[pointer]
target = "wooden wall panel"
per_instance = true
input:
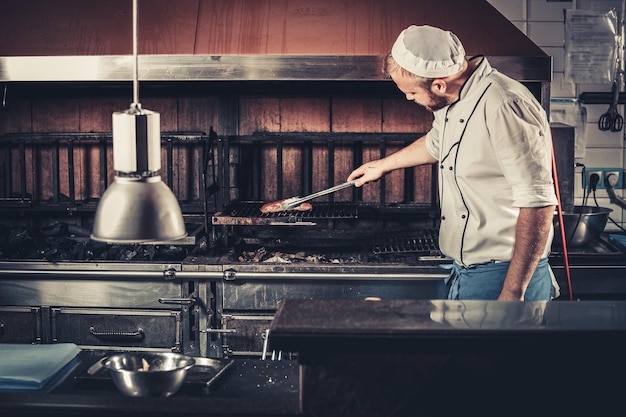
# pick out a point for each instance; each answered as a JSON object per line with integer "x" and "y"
{"x": 195, "y": 114}
{"x": 345, "y": 26}
{"x": 304, "y": 114}
{"x": 55, "y": 115}
{"x": 356, "y": 115}
{"x": 17, "y": 182}
{"x": 400, "y": 115}
{"x": 263, "y": 115}
{"x": 167, "y": 107}
{"x": 198, "y": 114}
{"x": 16, "y": 118}
{"x": 340, "y": 115}
{"x": 52, "y": 116}
{"x": 259, "y": 115}
{"x": 96, "y": 116}
{"x": 300, "y": 115}
{"x": 78, "y": 27}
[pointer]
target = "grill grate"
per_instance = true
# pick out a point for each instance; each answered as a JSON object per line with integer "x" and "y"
{"x": 418, "y": 241}
{"x": 249, "y": 213}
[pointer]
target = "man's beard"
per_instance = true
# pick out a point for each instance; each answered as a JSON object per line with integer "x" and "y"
{"x": 437, "y": 102}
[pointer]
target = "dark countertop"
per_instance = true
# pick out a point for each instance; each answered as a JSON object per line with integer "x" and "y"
{"x": 426, "y": 358}
{"x": 249, "y": 387}
{"x": 318, "y": 326}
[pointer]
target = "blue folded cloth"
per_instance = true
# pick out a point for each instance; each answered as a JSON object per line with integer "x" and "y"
{"x": 619, "y": 239}
{"x": 30, "y": 367}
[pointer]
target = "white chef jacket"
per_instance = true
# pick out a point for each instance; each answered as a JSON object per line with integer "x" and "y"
{"x": 494, "y": 148}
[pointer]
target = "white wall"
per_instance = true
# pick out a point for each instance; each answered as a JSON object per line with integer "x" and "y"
{"x": 543, "y": 21}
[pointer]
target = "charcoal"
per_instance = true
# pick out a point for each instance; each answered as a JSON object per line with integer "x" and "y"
{"x": 59, "y": 242}
{"x": 54, "y": 228}
{"x": 98, "y": 251}
{"x": 170, "y": 253}
{"x": 201, "y": 247}
{"x": 145, "y": 253}
{"x": 18, "y": 235}
{"x": 78, "y": 231}
{"x": 127, "y": 254}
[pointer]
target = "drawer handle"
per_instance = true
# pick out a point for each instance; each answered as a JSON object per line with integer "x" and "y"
{"x": 1, "y": 330}
{"x": 114, "y": 334}
{"x": 182, "y": 301}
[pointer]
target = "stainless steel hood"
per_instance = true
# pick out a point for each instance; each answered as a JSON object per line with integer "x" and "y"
{"x": 230, "y": 68}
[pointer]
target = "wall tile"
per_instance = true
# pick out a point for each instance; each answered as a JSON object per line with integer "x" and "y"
{"x": 594, "y": 111}
{"x": 558, "y": 57}
{"x": 511, "y": 9}
{"x": 599, "y": 139}
{"x": 547, "y": 33}
{"x": 561, "y": 88}
{"x": 600, "y": 158}
{"x": 542, "y": 10}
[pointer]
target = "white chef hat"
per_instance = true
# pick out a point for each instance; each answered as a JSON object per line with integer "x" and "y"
{"x": 428, "y": 51}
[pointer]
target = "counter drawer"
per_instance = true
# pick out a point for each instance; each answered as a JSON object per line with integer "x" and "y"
{"x": 245, "y": 334}
{"x": 20, "y": 325}
{"x": 117, "y": 329}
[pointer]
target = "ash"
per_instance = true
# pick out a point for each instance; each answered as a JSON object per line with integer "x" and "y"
{"x": 61, "y": 241}
{"x": 261, "y": 255}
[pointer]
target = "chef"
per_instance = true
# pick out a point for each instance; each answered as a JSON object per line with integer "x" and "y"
{"x": 491, "y": 141}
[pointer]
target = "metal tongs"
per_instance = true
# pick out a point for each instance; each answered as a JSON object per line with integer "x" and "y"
{"x": 293, "y": 202}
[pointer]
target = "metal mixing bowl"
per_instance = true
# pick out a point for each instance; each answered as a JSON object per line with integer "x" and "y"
{"x": 583, "y": 225}
{"x": 148, "y": 374}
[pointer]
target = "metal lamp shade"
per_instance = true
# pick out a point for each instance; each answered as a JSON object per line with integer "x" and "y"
{"x": 136, "y": 211}
{"x": 137, "y": 207}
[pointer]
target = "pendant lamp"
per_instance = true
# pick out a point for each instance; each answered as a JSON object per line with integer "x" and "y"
{"x": 137, "y": 207}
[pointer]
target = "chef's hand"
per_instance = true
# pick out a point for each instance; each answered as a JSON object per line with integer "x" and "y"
{"x": 368, "y": 172}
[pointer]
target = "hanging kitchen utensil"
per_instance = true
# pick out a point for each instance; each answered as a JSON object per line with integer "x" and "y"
{"x": 612, "y": 120}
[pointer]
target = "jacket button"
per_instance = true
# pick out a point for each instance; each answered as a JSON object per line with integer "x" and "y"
{"x": 462, "y": 120}
{"x": 443, "y": 217}
{"x": 451, "y": 168}
{"x": 462, "y": 216}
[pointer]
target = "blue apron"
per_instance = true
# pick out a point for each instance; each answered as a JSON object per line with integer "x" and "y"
{"x": 485, "y": 281}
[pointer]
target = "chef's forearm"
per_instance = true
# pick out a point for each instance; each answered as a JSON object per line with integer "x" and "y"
{"x": 411, "y": 155}
{"x": 531, "y": 234}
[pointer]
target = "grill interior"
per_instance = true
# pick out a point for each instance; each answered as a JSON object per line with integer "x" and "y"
{"x": 341, "y": 227}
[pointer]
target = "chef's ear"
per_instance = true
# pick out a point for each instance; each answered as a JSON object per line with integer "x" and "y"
{"x": 438, "y": 86}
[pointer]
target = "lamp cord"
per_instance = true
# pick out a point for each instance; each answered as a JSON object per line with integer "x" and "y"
{"x": 135, "y": 58}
